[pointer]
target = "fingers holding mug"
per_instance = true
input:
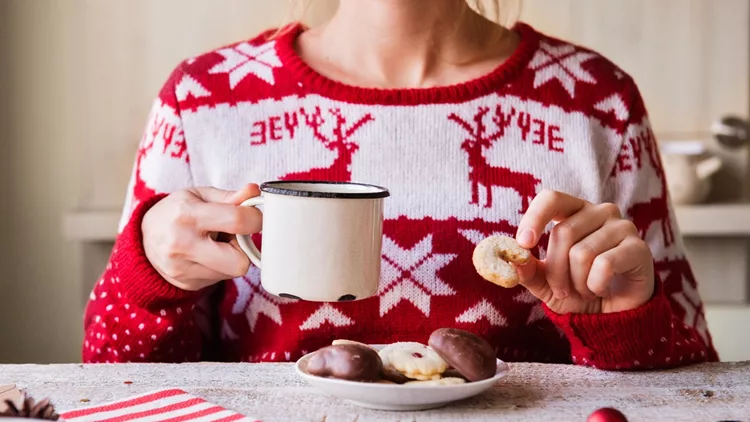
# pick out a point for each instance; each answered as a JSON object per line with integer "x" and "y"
{"x": 214, "y": 195}
{"x": 222, "y": 258}
{"x": 225, "y": 218}
{"x": 244, "y": 241}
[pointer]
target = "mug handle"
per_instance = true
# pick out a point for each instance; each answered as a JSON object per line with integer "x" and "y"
{"x": 246, "y": 242}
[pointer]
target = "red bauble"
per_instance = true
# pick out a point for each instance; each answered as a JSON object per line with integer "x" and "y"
{"x": 607, "y": 414}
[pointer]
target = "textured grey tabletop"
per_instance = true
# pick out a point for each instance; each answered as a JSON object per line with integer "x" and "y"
{"x": 532, "y": 392}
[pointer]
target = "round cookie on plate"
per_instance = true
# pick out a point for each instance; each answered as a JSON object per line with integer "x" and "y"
{"x": 467, "y": 353}
{"x": 390, "y": 374}
{"x": 413, "y": 360}
{"x": 438, "y": 382}
{"x": 338, "y": 342}
{"x": 353, "y": 362}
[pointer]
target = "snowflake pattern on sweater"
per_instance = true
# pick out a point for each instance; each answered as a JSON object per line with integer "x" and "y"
{"x": 462, "y": 162}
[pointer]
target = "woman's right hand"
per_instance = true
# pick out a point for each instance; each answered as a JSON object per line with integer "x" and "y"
{"x": 182, "y": 235}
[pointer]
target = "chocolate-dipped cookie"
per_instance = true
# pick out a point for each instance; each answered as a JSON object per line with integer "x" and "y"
{"x": 338, "y": 342}
{"x": 351, "y": 362}
{"x": 452, "y": 373}
{"x": 391, "y": 374}
{"x": 466, "y": 352}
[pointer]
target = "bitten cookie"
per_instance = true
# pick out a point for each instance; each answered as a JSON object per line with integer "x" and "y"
{"x": 346, "y": 361}
{"x": 466, "y": 352}
{"x": 437, "y": 382}
{"x": 414, "y": 360}
{"x": 492, "y": 256}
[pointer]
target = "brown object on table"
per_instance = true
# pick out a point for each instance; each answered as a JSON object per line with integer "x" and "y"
{"x": 466, "y": 352}
{"x": 8, "y": 392}
{"x": 452, "y": 373}
{"x": 390, "y": 374}
{"x": 351, "y": 362}
{"x": 29, "y": 408}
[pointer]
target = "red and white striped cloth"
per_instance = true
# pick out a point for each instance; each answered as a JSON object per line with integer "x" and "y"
{"x": 172, "y": 405}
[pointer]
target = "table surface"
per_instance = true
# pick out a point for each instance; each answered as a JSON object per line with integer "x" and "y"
{"x": 531, "y": 392}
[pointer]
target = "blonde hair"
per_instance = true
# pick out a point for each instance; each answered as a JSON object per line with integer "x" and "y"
{"x": 502, "y": 12}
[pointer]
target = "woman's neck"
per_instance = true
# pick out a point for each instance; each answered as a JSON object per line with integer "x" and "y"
{"x": 405, "y": 43}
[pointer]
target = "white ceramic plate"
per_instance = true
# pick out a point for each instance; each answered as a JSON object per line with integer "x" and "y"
{"x": 398, "y": 397}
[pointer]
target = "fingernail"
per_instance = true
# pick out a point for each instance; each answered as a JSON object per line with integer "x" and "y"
{"x": 560, "y": 294}
{"x": 526, "y": 237}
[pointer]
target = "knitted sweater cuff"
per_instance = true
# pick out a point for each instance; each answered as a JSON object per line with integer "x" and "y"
{"x": 620, "y": 339}
{"x": 139, "y": 280}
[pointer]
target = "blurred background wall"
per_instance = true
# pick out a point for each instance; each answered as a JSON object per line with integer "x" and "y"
{"x": 77, "y": 78}
{"x": 42, "y": 122}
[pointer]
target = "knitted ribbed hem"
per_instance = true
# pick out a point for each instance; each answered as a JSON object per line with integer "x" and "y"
{"x": 141, "y": 283}
{"x": 618, "y": 340}
{"x": 475, "y": 88}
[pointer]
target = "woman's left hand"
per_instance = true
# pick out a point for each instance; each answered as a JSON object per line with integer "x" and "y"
{"x": 596, "y": 262}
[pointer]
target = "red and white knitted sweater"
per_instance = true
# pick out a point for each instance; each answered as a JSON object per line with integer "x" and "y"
{"x": 462, "y": 162}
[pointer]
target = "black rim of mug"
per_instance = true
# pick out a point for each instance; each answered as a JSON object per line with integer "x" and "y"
{"x": 278, "y": 188}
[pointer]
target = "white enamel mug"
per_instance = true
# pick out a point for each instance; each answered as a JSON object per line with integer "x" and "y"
{"x": 322, "y": 241}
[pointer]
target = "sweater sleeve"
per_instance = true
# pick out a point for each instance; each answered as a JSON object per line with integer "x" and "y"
{"x": 669, "y": 330}
{"x": 133, "y": 314}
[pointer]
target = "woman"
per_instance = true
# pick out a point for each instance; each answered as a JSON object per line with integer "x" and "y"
{"x": 475, "y": 129}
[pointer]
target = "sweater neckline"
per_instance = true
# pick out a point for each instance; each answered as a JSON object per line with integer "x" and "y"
{"x": 491, "y": 82}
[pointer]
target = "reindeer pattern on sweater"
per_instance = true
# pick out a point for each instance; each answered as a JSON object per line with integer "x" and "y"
{"x": 461, "y": 162}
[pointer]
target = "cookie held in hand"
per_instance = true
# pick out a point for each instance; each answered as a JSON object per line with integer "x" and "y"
{"x": 467, "y": 353}
{"x": 350, "y": 362}
{"x": 493, "y": 256}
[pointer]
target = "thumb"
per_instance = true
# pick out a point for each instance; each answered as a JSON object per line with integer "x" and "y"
{"x": 533, "y": 278}
{"x": 209, "y": 194}
{"x": 250, "y": 190}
